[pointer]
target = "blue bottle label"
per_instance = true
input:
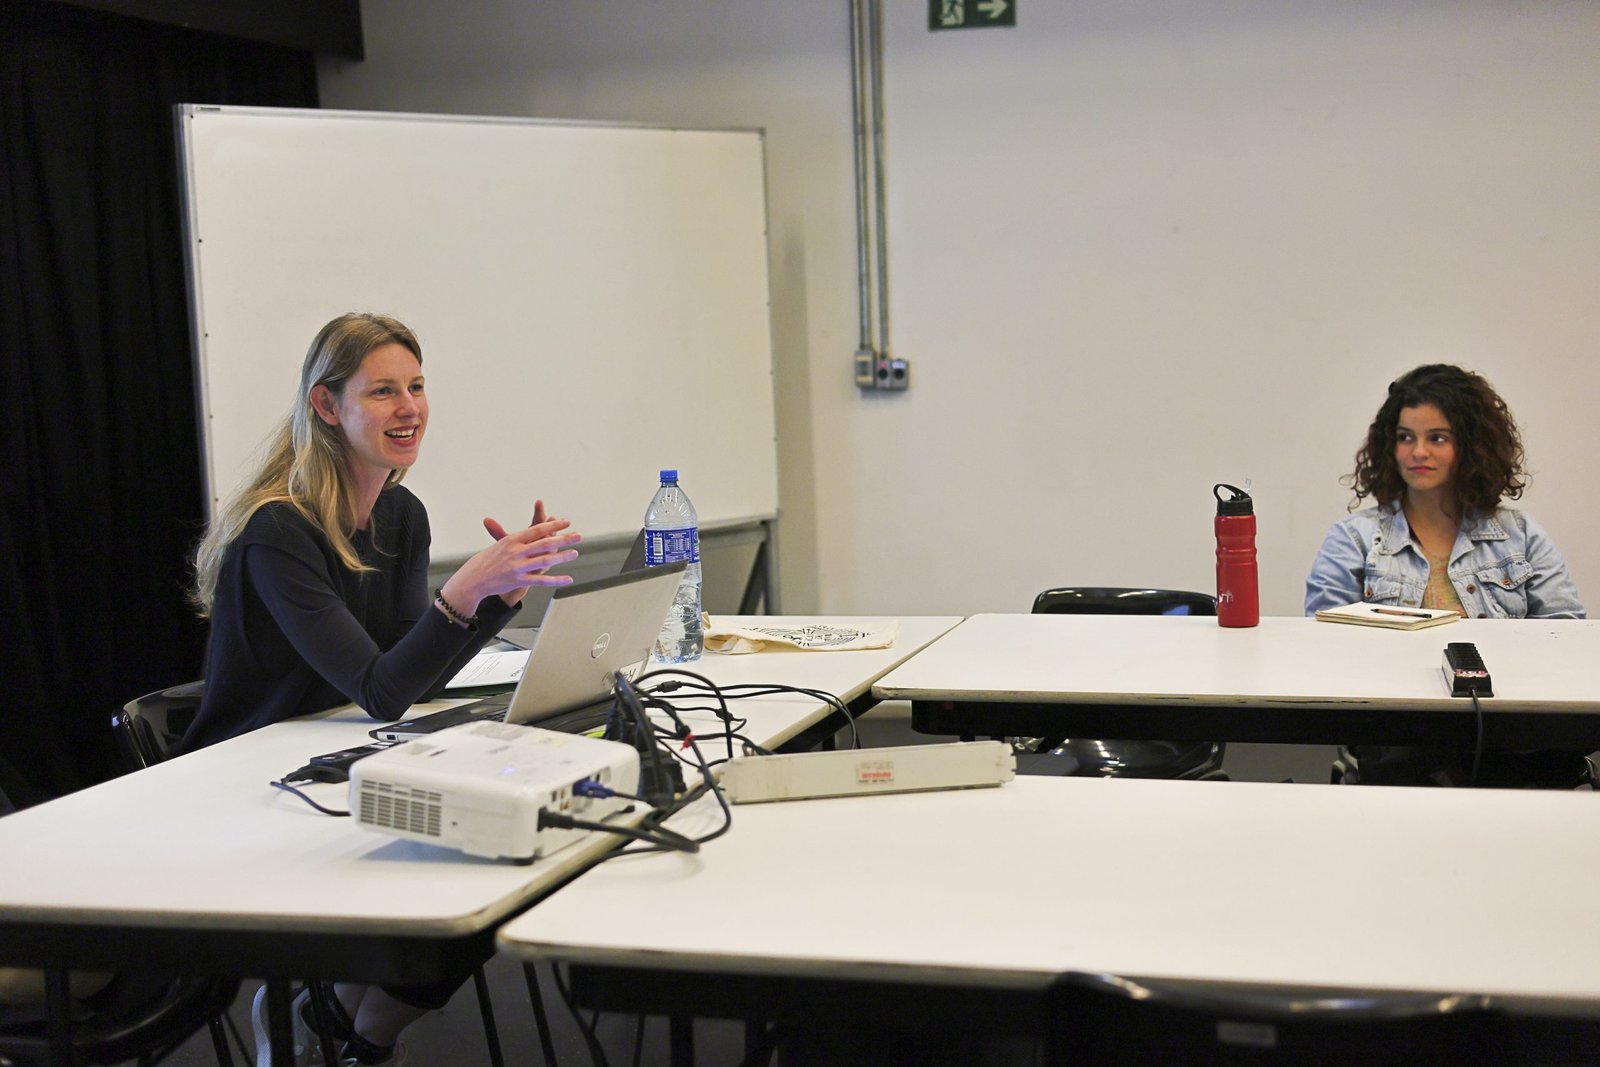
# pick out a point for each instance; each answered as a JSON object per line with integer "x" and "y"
{"x": 669, "y": 546}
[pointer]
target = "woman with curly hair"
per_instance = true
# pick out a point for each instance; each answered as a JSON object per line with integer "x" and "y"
{"x": 1440, "y": 456}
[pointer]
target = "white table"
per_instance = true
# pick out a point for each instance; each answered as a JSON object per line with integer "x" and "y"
{"x": 974, "y": 901}
{"x": 197, "y": 865}
{"x": 1287, "y": 680}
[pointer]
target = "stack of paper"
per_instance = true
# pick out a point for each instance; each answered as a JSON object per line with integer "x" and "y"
{"x": 498, "y": 665}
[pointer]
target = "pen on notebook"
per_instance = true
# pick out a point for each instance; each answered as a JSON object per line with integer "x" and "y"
{"x": 1407, "y": 614}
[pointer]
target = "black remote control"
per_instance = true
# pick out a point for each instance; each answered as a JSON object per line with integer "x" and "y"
{"x": 335, "y": 766}
{"x": 344, "y": 757}
{"x": 1464, "y": 671}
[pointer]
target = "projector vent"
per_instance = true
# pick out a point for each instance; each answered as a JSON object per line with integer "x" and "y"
{"x": 402, "y": 809}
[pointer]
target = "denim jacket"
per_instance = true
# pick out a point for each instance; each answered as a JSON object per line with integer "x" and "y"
{"x": 1503, "y": 566}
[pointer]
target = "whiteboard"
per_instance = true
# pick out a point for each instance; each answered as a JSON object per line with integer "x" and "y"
{"x": 591, "y": 300}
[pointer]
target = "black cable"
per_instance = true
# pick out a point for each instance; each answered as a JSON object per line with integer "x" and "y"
{"x": 629, "y": 695}
{"x": 721, "y": 710}
{"x": 655, "y": 835}
{"x": 729, "y": 730}
{"x": 287, "y": 788}
{"x": 675, "y": 751}
{"x": 682, "y": 732}
{"x": 660, "y": 779}
{"x": 630, "y": 718}
{"x": 733, "y": 692}
{"x": 749, "y": 748}
{"x": 738, "y": 721}
{"x": 759, "y": 689}
{"x": 708, "y": 784}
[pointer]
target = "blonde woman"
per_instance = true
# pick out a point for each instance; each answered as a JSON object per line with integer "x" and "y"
{"x": 314, "y": 576}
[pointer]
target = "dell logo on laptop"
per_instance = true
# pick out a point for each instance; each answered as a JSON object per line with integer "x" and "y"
{"x": 600, "y": 645}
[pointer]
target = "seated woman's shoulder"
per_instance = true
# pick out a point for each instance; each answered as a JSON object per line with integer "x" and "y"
{"x": 278, "y": 523}
{"x": 402, "y": 495}
{"x": 1511, "y": 520}
{"x": 275, "y": 515}
{"x": 1365, "y": 521}
{"x": 401, "y": 501}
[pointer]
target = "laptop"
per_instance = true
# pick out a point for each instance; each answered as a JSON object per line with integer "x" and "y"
{"x": 590, "y": 631}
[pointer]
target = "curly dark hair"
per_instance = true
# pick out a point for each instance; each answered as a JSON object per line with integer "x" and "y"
{"x": 1488, "y": 447}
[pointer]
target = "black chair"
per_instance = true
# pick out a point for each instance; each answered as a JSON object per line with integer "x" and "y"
{"x": 146, "y": 728}
{"x": 135, "y": 1016}
{"x": 1106, "y": 1019}
{"x": 1409, "y": 765}
{"x": 1082, "y": 757}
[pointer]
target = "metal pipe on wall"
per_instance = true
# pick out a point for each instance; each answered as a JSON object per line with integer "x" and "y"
{"x": 875, "y": 53}
{"x": 874, "y": 367}
{"x": 866, "y": 349}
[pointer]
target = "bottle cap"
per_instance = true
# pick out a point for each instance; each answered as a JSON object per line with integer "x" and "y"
{"x": 668, "y": 476}
{"x": 1238, "y": 504}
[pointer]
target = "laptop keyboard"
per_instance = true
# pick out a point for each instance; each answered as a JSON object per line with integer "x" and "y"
{"x": 495, "y": 709}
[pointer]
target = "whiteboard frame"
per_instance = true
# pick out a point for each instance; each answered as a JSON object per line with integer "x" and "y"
{"x": 763, "y": 509}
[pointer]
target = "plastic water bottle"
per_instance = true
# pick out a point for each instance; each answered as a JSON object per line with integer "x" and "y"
{"x": 1238, "y": 600}
{"x": 671, "y": 533}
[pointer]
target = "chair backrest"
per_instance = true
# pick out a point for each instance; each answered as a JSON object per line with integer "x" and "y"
{"x": 1117, "y": 600}
{"x": 146, "y": 727}
{"x": 1106, "y": 1019}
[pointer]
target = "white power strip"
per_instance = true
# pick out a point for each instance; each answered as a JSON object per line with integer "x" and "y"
{"x": 855, "y": 772}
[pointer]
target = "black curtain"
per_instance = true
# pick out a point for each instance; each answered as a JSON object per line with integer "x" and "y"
{"x": 101, "y": 474}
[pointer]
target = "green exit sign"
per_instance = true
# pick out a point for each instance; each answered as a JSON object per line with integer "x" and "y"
{"x": 970, "y": 14}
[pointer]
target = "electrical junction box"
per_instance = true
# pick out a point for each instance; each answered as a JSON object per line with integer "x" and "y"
{"x": 855, "y": 772}
{"x": 894, "y": 373}
{"x": 482, "y": 786}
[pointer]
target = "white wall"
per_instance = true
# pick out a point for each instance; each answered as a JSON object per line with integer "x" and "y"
{"x": 1137, "y": 247}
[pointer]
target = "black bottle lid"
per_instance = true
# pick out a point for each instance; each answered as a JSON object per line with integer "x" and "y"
{"x": 1237, "y": 504}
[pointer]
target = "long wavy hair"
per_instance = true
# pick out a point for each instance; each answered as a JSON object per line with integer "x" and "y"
{"x": 1489, "y": 459}
{"x": 306, "y": 462}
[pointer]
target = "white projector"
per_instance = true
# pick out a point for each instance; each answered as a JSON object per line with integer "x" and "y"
{"x": 481, "y": 787}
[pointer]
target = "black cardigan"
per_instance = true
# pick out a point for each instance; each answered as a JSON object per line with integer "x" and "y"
{"x": 294, "y": 631}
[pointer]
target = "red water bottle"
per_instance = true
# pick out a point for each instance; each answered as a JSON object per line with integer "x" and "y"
{"x": 1238, "y": 596}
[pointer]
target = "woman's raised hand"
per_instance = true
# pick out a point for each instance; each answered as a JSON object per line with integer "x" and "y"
{"x": 517, "y": 560}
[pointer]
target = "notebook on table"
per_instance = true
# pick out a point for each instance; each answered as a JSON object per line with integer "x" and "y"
{"x": 1388, "y": 616}
{"x": 590, "y": 630}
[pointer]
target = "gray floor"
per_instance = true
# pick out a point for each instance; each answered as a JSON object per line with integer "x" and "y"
{"x": 454, "y": 1036}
